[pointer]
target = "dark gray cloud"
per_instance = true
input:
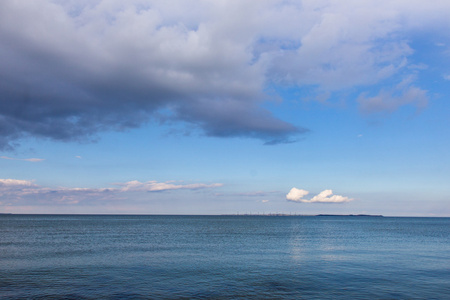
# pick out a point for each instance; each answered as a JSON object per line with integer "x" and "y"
{"x": 70, "y": 69}
{"x": 258, "y": 123}
{"x": 68, "y": 72}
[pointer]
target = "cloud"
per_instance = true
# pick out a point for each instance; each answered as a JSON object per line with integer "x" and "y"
{"x": 72, "y": 69}
{"x": 20, "y": 191}
{"x": 154, "y": 186}
{"x": 258, "y": 194}
{"x": 296, "y": 194}
{"x": 23, "y": 159}
{"x": 13, "y": 190}
{"x": 326, "y": 196}
{"x": 389, "y": 100}
{"x": 11, "y": 183}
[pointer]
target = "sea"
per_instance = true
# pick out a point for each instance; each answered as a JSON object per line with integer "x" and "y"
{"x": 223, "y": 257}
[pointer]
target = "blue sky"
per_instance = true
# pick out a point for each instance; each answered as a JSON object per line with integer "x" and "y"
{"x": 215, "y": 107}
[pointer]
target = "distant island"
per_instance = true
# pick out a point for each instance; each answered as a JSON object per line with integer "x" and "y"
{"x": 302, "y": 215}
{"x": 359, "y": 215}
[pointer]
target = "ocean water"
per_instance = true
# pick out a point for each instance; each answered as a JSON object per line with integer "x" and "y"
{"x": 223, "y": 257}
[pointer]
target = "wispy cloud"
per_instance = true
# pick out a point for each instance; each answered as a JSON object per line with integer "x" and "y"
{"x": 14, "y": 190}
{"x": 252, "y": 194}
{"x": 389, "y": 100}
{"x": 326, "y": 196}
{"x": 23, "y": 159}
{"x": 258, "y": 193}
{"x": 23, "y": 190}
{"x": 154, "y": 186}
{"x": 7, "y": 183}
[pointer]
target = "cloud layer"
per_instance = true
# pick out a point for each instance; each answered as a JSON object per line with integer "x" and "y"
{"x": 13, "y": 191}
{"x": 23, "y": 159}
{"x": 326, "y": 196}
{"x": 69, "y": 69}
{"x": 154, "y": 186}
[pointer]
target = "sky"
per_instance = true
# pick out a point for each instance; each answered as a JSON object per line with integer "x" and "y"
{"x": 225, "y": 107}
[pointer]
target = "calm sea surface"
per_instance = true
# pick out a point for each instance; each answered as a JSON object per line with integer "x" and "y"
{"x": 223, "y": 257}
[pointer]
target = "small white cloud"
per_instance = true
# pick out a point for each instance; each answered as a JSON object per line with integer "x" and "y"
{"x": 296, "y": 194}
{"x": 326, "y": 196}
{"x": 447, "y": 77}
{"x": 360, "y": 135}
{"x": 79, "y": 157}
{"x": 265, "y": 201}
{"x": 15, "y": 182}
{"x": 23, "y": 159}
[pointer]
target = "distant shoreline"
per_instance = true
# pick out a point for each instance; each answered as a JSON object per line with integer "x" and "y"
{"x": 236, "y": 214}
{"x": 301, "y": 215}
{"x": 351, "y": 215}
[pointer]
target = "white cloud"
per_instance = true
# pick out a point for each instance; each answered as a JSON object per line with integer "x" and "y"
{"x": 23, "y": 159}
{"x": 447, "y": 77}
{"x": 296, "y": 194}
{"x": 326, "y": 196}
{"x": 7, "y": 183}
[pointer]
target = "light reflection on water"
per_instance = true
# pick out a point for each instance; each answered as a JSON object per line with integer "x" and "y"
{"x": 224, "y": 257}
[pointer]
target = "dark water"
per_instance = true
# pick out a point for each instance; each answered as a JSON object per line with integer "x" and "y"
{"x": 223, "y": 257}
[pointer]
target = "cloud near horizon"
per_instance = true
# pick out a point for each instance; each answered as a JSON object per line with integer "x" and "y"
{"x": 72, "y": 69}
{"x": 23, "y": 159}
{"x": 15, "y": 191}
{"x": 326, "y": 196}
{"x": 154, "y": 186}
